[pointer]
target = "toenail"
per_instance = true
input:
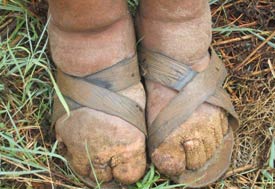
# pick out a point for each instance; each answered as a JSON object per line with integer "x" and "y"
{"x": 191, "y": 144}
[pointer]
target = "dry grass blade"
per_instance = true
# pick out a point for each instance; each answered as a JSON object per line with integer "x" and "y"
{"x": 255, "y": 51}
{"x": 271, "y": 68}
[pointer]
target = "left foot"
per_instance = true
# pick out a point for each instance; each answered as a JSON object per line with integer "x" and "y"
{"x": 181, "y": 30}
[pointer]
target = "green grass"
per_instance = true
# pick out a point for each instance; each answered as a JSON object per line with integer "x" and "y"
{"x": 28, "y": 153}
{"x": 26, "y": 98}
{"x": 151, "y": 181}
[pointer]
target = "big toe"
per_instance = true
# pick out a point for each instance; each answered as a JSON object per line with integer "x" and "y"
{"x": 169, "y": 159}
{"x": 130, "y": 171}
{"x": 195, "y": 154}
{"x": 101, "y": 172}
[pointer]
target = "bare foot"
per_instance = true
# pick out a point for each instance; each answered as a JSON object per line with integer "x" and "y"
{"x": 182, "y": 31}
{"x": 86, "y": 37}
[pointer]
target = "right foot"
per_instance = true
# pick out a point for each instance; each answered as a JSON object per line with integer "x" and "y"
{"x": 85, "y": 39}
{"x": 116, "y": 148}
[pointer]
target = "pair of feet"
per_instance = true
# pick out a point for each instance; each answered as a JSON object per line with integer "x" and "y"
{"x": 117, "y": 148}
{"x": 197, "y": 149}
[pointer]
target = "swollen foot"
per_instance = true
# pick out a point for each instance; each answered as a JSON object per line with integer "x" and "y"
{"x": 178, "y": 33}
{"x": 115, "y": 147}
{"x": 101, "y": 144}
{"x": 193, "y": 143}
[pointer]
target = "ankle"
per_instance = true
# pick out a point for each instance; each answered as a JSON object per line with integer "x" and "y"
{"x": 186, "y": 42}
{"x": 201, "y": 64}
{"x": 173, "y": 11}
{"x": 86, "y": 15}
{"x": 84, "y": 53}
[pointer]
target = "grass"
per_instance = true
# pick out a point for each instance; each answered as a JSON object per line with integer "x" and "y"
{"x": 28, "y": 149}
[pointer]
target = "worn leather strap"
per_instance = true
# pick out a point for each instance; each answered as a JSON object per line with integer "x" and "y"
{"x": 162, "y": 69}
{"x": 194, "y": 89}
{"x": 99, "y": 92}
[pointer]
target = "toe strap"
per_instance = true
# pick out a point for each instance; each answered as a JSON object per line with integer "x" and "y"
{"x": 194, "y": 89}
{"x": 99, "y": 91}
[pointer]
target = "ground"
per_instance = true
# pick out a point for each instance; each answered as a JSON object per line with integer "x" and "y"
{"x": 243, "y": 36}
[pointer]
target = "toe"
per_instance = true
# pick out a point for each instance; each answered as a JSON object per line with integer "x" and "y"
{"x": 209, "y": 143}
{"x": 129, "y": 171}
{"x": 218, "y": 134}
{"x": 224, "y": 123}
{"x": 195, "y": 154}
{"x": 101, "y": 173}
{"x": 79, "y": 163}
{"x": 169, "y": 160}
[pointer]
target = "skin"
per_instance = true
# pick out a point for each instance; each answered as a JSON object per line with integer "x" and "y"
{"x": 181, "y": 29}
{"x": 86, "y": 37}
{"x": 82, "y": 45}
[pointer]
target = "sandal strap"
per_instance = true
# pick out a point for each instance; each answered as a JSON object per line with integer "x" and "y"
{"x": 194, "y": 89}
{"x": 99, "y": 91}
{"x": 165, "y": 70}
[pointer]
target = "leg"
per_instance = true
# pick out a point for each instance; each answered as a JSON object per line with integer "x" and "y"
{"x": 86, "y": 37}
{"x": 181, "y": 29}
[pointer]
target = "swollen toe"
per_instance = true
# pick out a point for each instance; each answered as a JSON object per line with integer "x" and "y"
{"x": 224, "y": 123}
{"x": 169, "y": 160}
{"x": 130, "y": 171}
{"x": 79, "y": 164}
{"x": 195, "y": 154}
{"x": 101, "y": 173}
{"x": 209, "y": 146}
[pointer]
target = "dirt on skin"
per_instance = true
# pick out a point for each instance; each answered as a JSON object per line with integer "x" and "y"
{"x": 185, "y": 36}
{"x": 116, "y": 148}
{"x": 251, "y": 88}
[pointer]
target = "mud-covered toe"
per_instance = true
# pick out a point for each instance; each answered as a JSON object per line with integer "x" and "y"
{"x": 213, "y": 168}
{"x": 89, "y": 182}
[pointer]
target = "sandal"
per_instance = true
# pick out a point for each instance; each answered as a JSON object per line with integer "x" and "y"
{"x": 205, "y": 86}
